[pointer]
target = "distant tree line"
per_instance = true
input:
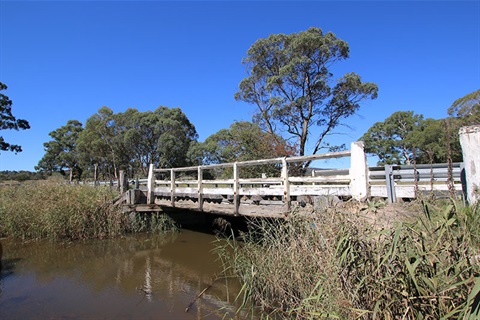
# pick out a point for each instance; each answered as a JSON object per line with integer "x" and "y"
{"x": 405, "y": 137}
{"x": 132, "y": 140}
{"x": 22, "y": 175}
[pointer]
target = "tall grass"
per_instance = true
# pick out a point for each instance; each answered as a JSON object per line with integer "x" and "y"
{"x": 335, "y": 265}
{"x": 55, "y": 210}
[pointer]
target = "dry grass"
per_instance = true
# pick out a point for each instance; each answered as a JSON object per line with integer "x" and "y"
{"x": 49, "y": 209}
{"x": 340, "y": 265}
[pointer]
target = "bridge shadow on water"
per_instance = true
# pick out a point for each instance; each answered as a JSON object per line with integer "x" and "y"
{"x": 206, "y": 222}
{"x": 215, "y": 224}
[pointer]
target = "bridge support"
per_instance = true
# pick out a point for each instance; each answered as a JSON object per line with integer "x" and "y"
{"x": 150, "y": 185}
{"x": 172, "y": 187}
{"x": 358, "y": 172}
{"x": 236, "y": 189}
{"x": 470, "y": 142}
{"x": 286, "y": 185}
{"x": 200, "y": 189}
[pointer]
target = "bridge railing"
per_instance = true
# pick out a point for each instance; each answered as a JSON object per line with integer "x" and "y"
{"x": 407, "y": 181}
{"x": 352, "y": 182}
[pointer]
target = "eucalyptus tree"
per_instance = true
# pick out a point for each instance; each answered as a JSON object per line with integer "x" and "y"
{"x": 60, "y": 152}
{"x": 436, "y": 141}
{"x": 8, "y": 121}
{"x": 97, "y": 144}
{"x": 292, "y": 85}
{"x": 467, "y": 108}
{"x": 161, "y": 137}
{"x": 390, "y": 139}
{"x": 244, "y": 141}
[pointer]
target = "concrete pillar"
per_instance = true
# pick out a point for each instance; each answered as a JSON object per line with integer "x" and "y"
{"x": 358, "y": 172}
{"x": 150, "y": 185}
{"x": 470, "y": 142}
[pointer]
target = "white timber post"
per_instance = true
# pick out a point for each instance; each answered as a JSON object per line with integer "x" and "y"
{"x": 172, "y": 187}
{"x": 236, "y": 189}
{"x": 200, "y": 189}
{"x": 470, "y": 142}
{"x": 286, "y": 184}
{"x": 123, "y": 182}
{"x": 150, "y": 185}
{"x": 358, "y": 172}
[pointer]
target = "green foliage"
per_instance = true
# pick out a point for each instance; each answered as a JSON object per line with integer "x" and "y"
{"x": 8, "y": 121}
{"x": 434, "y": 139}
{"x": 243, "y": 141}
{"x": 127, "y": 141}
{"x": 100, "y": 145}
{"x": 60, "y": 152}
{"x": 336, "y": 265}
{"x": 133, "y": 139}
{"x": 415, "y": 271}
{"x": 158, "y": 223}
{"x": 467, "y": 108}
{"x": 388, "y": 139}
{"x": 21, "y": 175}
{"x": 290, "y": 83}
{"x": 403, "y": 134}
{"x": 53, "y": 210}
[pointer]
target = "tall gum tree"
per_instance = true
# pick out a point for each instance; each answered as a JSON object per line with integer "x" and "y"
{"x": 290, "y": 82}
{"x": 97, "y": 143}
{"x": 467, "y": 108}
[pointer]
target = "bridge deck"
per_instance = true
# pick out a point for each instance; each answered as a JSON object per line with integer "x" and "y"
{"x": 274, "y": 210}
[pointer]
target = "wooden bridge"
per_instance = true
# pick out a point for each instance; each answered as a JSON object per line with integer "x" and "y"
{"x": 236, "y": 188}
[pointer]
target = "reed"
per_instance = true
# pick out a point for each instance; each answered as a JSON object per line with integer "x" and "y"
{"x": 49, "y": 209}
{"x": 337, "y": 265}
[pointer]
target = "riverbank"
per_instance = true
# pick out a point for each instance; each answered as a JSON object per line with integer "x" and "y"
{"x": 54, "y": 210}
{"x": 344, "y": 264}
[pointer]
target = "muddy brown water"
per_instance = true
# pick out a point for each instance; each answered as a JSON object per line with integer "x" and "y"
{"x": 140, "y": 276}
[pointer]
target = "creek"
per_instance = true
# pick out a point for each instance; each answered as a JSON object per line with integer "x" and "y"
{"x": 139, "y": 276}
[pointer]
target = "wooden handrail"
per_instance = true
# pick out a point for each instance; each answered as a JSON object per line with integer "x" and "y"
{"x": 357, "y": 156}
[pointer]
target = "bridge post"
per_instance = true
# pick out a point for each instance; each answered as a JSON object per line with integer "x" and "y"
{"x": 172, "y": 187}
{"x": 123, "y": 185}
{"x": 150, "y": 185}
{"x": 359, "y": 187}
{"x": 236, "y": 189}
{"x": 286, "y": 184}
{"x": 200, "y": 189}
{"x": 470, "y": 143}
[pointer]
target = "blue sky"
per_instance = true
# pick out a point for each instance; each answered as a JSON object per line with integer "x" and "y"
{"x": 64, "y": 60}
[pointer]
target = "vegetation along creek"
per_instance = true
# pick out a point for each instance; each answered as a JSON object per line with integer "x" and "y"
{"x": 79, "y": 257}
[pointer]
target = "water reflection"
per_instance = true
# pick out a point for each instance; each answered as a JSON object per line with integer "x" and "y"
{"x": 141, "y": 277}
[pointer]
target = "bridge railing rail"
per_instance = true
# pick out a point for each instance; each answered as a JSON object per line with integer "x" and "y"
{"x": 351, "y": 182}
{"x": 408, "y": 181}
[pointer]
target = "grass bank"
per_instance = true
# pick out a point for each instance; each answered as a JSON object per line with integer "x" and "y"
{"x": 337, "y": 265}
{"x": 47, "y": 209}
